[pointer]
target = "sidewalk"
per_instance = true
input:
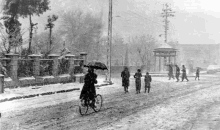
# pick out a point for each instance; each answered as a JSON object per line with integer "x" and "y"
{"x": 33, "y": 91}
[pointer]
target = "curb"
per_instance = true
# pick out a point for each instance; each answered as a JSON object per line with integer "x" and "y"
{"x": 45, "y": 93}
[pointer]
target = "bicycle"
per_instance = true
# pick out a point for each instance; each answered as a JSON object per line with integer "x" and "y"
{"x": 87, "y": 102}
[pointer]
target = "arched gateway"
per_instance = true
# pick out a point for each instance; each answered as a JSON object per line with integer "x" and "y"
{"x": 167, "y": 54}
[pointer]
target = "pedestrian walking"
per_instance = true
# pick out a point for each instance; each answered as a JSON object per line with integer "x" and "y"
{"x": 184, "y": 73}
{"x": 177, "y": 73}
{"x": 170, "y": 74}
{"x": 137, "y": 77}
{"x": 147, "y": 80}
{"x": 125, "y": 74}
{"x": 197, "y": 73}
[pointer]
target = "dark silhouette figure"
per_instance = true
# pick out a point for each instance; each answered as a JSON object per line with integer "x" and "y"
{"x": 170, "y": 74}
{"x": 88, "y": 89}
{"x": 137, "y": 77}
{"x": 184, "y": 73}
{"x": 147, "y": 80}
{"x": 125, "y": 74}
{"x": 177, "y": 73}
{"x": 197, "y": 73}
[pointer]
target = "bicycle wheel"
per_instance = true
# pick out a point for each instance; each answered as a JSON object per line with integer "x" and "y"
{"x": 98, "y": 103}
{"x": 83, "y": 107}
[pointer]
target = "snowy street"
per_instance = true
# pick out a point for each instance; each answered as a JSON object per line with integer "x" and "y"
{"x": 170, "y": 105}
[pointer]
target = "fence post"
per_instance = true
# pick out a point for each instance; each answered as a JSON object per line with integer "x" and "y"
{"x": 14, "y": 67}
{"x": 1, "y": 83}
{"x": 55, "y": 64}
{"x": 36, "y": 67}
{"x": 71, "y": 65}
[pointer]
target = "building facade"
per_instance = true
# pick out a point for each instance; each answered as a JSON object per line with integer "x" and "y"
{"x": 198, "y": 55}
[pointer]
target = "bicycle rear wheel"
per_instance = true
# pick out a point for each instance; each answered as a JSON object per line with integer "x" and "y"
{"x": 98, "y": 103}
{"x": 83, "y": 107}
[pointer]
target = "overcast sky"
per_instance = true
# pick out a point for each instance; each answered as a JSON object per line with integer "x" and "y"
{"x": 195, "y": 21}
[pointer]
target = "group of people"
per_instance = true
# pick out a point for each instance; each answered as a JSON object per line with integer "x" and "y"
{"x": 184, "y": 76}
{"x": 125, "y": 74}
{"x": 91, "y": 79}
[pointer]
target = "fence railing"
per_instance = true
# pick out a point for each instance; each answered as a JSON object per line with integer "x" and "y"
{"x": 6, "y": 64}
{"x": 46, "y": 67}
{"x": 78, "y": 63}
{"x": 25, "y": 67}
{"x": 63, "y": 66}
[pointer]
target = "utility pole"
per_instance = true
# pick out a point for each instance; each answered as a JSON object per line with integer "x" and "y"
{"x": 167, "y": 12}
{"x": 109, "y": 51}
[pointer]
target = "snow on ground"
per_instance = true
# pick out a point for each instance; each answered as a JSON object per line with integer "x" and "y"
{"x": 172, "y": 114}
{"x": 170, "y": 105}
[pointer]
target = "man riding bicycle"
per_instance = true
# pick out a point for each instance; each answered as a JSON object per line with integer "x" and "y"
{"x": 88, "y": 89}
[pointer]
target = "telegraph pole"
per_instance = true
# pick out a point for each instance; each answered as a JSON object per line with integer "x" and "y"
{"x": 167, "y": 12}
{"x": 109, "y": 48}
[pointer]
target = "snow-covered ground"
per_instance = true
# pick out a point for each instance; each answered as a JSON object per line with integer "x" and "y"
{"x": 170, "y": 105}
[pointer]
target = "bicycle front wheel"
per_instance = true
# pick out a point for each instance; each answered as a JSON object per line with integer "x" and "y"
{"x": 98, "y": 103}
{"x": 83, "y": 107}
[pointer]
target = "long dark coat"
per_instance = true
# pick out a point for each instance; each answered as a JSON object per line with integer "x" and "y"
{"x": 177, "y": 71}
{"x": 89, "y": 85}
{"x": 137, "y": 77}
{"x": 170, "y": 71}
{"x": 197, "y": 72}
{"x": 125, "y": 78}
{"x": 147, "y": 80}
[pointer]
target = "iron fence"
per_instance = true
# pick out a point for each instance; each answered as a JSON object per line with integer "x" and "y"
{"x": 78, "y": 66}
{"x": 46, "y": 67}
{"x": 25, "y": 67}
{"x": 6, "y": 65}
{"x": 63, "y": 67}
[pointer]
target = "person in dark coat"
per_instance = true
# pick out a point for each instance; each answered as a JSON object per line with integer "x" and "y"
{"x": 147, "y": 80}
{"x": 137, "y": 77}
{"x": 170, "y": 74}
{"x": 197, "y": 73}
{"x": 88, "y": 89}
{"x": 184, "y": 73}
{"x": 125, "y": 74}
{"x": 177, "y": 73}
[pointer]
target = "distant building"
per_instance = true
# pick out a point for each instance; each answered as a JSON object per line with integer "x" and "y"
{"x": 199, "y": 55}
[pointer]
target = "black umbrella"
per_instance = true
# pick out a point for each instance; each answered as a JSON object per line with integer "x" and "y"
{"x": 96, "y": 65}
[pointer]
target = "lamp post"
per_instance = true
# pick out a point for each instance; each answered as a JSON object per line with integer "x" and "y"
{"x": 109, "y": 50}
{"x": 110, "y": 38}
